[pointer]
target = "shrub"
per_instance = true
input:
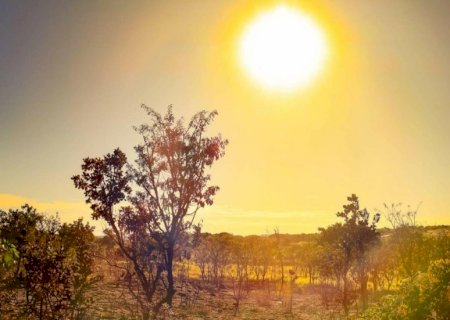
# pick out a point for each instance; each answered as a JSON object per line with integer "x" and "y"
{"x": 425, "y": 296}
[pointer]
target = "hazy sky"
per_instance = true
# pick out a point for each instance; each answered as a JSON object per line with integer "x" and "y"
{"x": 73, "y": 75}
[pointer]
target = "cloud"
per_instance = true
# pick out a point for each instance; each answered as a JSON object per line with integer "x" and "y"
{"x": 214, "y": 219}
{"x": 242, "y": 221}
{"x": 66, "y": 210}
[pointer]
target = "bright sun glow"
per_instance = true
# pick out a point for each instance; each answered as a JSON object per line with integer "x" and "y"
{"x": 283, "y": 49}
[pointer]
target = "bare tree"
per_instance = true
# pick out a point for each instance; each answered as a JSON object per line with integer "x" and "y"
{"x": 398, "y": 217}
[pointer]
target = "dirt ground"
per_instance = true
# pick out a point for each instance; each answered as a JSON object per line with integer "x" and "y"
{"x": 114, "y": 302}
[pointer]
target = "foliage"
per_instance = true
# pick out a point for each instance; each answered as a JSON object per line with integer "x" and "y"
{"x": 349, "y": 244}
{"x": 308, "y": 256}
{"x": 78, "y": 238}
{"x": 8, "y": 253}
{"x": 50, "y": 268}
{"x": 412, "y": 248}
{"x": 213, "y": 255}
{"x": 164, "y": 188}
{"x": 425, "y": 296}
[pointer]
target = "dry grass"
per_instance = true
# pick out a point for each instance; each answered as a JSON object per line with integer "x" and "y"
{"x": 113, "y": 302}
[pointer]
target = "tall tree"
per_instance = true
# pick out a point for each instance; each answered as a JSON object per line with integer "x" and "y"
{"x": 164, "y": 188}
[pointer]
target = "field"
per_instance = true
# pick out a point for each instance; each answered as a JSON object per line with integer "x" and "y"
{"x": 203, "y": 297}
{"x": 58, "y": 271}
{"x": 212, "y": 303}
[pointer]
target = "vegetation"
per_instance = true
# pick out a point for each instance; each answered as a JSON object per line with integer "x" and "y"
{"x": 155, "y": 263}
{"x": 48, "y": 268}
{"x": 424, "y": 296}
{"x": 164, "y": 188}
{"x": 221, "y": 275}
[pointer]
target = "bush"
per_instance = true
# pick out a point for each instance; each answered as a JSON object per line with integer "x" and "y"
{"x": 425, "y": 296}
{"x": 49, "y": 269}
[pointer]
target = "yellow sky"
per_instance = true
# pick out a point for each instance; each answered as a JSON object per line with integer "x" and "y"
{"x": 375, "y": 122}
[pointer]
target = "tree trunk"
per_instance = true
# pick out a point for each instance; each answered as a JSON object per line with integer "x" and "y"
{"x": 364, "y": 297}
{"x": 345, "y": 296}
{"x": 171, "y": 285}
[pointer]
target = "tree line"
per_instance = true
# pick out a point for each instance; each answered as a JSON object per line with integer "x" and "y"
{"x": 345, "y": 264}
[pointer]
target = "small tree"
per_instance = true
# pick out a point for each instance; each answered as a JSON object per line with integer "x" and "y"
{"x": 408, "y": 239}
{"x": 79, "y": 238}
{"x": 308, "y": 255}
{"x": 353, "y": 238}
{"x": 165, "y": 187}
{"x": 52, "y": 270}
{"x": 398, "y": 217}
{"x": 240, "y": 259}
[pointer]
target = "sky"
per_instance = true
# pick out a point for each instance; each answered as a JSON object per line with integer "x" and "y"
{"x": 73, "y": 75}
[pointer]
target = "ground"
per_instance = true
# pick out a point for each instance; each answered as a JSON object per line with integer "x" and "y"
{"x": 114, "y": 302}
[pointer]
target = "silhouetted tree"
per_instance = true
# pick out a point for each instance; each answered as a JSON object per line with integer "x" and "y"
{"x": 165, "y": 187}
{"x": 353, "y": 238}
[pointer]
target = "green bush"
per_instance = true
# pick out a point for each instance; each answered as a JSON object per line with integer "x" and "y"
{"x": 425, "y": 296}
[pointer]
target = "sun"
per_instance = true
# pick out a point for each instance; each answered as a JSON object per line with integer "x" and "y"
{"x": 283, "y": 49}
